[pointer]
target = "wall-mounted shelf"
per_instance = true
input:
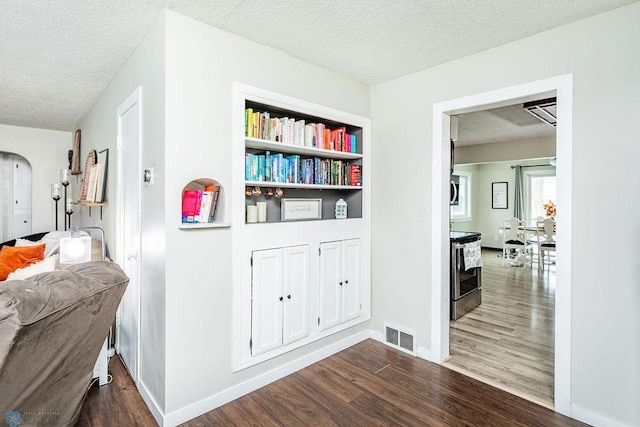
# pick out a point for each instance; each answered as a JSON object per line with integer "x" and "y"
{"x": 261, "y": 144}
{"x": 193, "y": 226}
{"x": 90, "y": 205}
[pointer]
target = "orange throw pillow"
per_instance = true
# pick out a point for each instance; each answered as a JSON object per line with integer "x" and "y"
{"x": 13, "y": 258}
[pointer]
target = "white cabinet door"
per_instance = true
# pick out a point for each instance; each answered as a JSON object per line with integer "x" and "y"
{"x": 266, "y": 300}
{"x": 330, "y": 284}
{"x": 340, "y": 267}
{"x": 351, "y": 279}
{"x": 296, "y": 293}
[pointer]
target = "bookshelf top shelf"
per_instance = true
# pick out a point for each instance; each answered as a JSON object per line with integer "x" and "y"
{"x": 261, "y": 144}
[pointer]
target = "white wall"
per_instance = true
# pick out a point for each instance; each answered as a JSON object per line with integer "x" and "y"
{"x": 99, "y": 131}
{"x": 46, "y": 151}
{"x": 601, "y": 52}
{"x": 202, "y": 64}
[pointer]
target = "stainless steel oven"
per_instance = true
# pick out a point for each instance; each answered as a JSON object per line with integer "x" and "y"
{"x": 466, "y": 284}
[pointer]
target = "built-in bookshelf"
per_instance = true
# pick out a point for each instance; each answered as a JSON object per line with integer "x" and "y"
{"x": 293, "y": 154}
{"x": 279, "y": 252}
{"x": 202, "y": 205}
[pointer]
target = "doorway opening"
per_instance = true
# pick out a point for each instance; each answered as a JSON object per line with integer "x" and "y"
{"x": 562, "y": 88}
{"x": 15, "y": 196}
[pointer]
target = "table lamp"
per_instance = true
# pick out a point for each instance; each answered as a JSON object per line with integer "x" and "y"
{"x": 76, "y": 248}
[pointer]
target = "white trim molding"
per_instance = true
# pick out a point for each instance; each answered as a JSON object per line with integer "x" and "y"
{"x": 562, "y": 88}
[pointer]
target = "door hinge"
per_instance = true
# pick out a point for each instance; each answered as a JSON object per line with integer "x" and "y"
{"x": 318, "y": 321}
{"x": 251, "y": 261}
{"x": 250, "y": 344}
{"x": 319, "y": 252}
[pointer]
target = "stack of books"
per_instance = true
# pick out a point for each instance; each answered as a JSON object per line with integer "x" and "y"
{"x": 199, "y": 206}
{"x": 287, "y": 130}
{"x": 294, "y": 169}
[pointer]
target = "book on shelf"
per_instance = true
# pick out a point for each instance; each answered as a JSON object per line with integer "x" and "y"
{"x": 205, "y": 207}
{"x": 287, "y": 130}
{"x": 216, "y": 193}
{"x": 278, "y": 168}
{"x": 191, "y": 203}
{"x": 92, "y": 187}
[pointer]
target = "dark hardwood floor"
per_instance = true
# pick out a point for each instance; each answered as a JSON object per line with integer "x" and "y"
{"x": 368, "y": 384}
{"x": 115, "y": 404}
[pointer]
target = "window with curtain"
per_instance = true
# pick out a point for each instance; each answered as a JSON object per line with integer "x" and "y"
{"x": 541, "y": 189}
{"x": 462, "y": 212}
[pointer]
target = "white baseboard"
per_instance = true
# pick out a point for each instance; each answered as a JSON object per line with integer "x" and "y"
{"x": 377, "y": 335}
{"x": 424, "y": 353}
{"x": 205, "y": 405}
{"x": 151, "y": 403}
{"x": 592, "y": 418}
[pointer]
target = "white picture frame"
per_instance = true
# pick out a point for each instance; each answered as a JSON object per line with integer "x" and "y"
{"x": 300, "y": 209}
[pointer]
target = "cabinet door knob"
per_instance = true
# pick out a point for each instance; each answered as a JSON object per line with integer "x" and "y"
{"x": 288, "y": 296}
{"x": 346, "y": 282}
{"x": 281, "y": 298}
{"x": 340, "y": 283}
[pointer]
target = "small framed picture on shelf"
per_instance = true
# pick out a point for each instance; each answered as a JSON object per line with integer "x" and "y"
{"x": 101, "y": 188}
{"x": 300, "y": 209}
{"x": 499, "y": 195}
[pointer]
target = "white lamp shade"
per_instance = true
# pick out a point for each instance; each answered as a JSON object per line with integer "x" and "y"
{"x": 74, "y": 250}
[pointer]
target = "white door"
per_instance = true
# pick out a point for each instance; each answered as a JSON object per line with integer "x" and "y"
{"x": 351, "y": 278}
{"x": 296, "y": 293}
{"x": 330, "y": 284}
{"x": 128, "y": 228}
{"x": 21, "y": 202}
{"x": 267, "y": 299}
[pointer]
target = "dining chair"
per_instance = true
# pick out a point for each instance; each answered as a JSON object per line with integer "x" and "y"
{"x": 546, "y": 240}
{"x": 514, "y": 238}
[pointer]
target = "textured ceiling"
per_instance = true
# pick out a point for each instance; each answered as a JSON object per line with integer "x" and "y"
{"x": 508, "y": 123}
{"x": 59, "y": 55}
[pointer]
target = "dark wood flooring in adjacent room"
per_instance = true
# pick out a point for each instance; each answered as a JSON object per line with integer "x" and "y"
{"x": 365, "y": 385}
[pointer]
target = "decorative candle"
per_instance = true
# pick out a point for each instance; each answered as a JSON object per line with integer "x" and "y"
{"x": 64, "y": 176}
{"x": 252, "y": 213}
{"x": 262, "y": 211}
{"x": 69, "y": 205}
{"x": 55, "y": 191}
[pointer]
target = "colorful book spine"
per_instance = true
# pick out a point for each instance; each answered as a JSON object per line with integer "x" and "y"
{"x": 191, "y": 202}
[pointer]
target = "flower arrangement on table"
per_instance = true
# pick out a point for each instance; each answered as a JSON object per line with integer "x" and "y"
{"x": 550, "y": 209}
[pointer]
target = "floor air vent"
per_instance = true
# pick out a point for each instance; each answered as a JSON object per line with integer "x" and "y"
{"x": 400, "y": 339}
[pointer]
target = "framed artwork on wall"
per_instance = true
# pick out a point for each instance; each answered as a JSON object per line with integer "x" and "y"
{"x": 75, "y": 156}
{"x": 499, "y": 195}
{"x": 101, "y": 189}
